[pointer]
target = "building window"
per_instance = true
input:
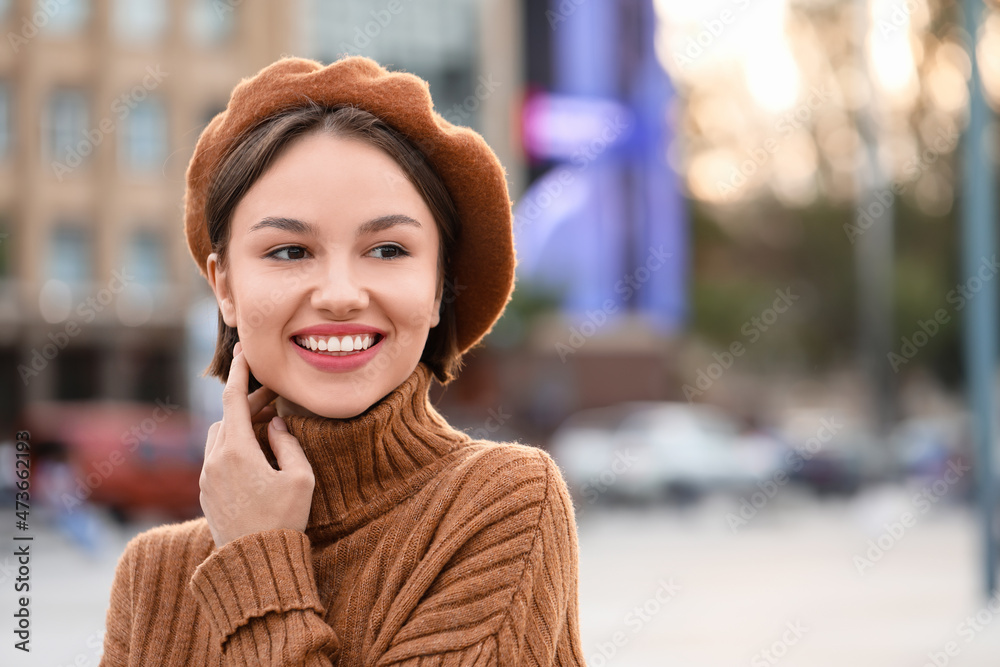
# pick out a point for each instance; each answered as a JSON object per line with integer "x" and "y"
{"x": 144, "y": 137}
{"x": 140, "y": 21}
{"x": 4, "y": 119}
{"x": 78, "y": 374}
{"x": 158, "y": 370}
{"x": 210, "y": 22}
{"x": 66, "y": 129}
{"x": 434, "y": 39}
{"x": 144, "y": 258}
{"x": 70, "y": 255}
{"x": 62, "y": 16}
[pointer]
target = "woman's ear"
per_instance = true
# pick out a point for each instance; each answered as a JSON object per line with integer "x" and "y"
{"x": 436, "y": 308}
{"x": 220, "y": 286}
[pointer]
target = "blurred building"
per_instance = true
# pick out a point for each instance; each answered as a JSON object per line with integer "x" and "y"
{"x": 469, "y": 51}
{"x": 602, "y": 229}
{"x": 101, "y": 103}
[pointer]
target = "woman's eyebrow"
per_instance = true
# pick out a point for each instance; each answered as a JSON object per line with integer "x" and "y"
{"x": 385, "y": 222}
{"x": 370, "y": 227}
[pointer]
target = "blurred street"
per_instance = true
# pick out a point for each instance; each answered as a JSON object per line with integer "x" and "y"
{"x": 737, "y": 595}
{"x": 783, "y": 588}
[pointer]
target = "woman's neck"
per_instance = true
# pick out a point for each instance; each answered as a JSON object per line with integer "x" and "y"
{"x": 366, "y": 464}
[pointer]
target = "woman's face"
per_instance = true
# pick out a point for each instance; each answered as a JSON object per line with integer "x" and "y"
{"x": 333, "y": 241}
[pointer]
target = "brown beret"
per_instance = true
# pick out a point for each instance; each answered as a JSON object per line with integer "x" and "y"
{"x": 484, "y": 259}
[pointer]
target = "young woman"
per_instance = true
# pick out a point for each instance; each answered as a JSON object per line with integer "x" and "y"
{"x": 357, "y": 244}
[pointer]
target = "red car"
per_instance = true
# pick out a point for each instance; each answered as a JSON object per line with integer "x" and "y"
{"x": 130, "y": 457}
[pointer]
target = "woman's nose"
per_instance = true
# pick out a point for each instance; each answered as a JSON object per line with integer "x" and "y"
{"x": 339, "y": 289}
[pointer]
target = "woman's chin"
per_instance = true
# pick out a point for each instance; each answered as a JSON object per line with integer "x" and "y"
{"x": 313, "y": 409}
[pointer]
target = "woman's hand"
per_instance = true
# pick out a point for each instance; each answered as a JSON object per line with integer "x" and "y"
{"x": 240, "y": 492}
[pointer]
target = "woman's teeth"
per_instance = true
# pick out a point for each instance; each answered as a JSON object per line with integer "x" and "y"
{"x": 336, "y": 346}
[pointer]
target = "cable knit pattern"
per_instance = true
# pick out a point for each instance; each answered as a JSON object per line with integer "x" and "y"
{"x": 423, "y": 547}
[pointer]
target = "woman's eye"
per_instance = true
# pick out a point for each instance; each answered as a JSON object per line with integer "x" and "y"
{"x": 294, "y": 252}
{"x": 394, "y": 251}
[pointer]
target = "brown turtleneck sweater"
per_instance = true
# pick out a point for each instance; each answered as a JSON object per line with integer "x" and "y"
{"x": 423, "y": 547}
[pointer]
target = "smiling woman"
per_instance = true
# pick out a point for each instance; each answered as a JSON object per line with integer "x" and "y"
{"x": 346, "y": 522}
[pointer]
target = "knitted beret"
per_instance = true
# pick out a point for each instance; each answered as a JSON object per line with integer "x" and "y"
{"x": 483, "y": 260}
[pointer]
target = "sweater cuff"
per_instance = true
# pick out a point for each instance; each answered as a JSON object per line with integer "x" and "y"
{"x": 270, "y": 570}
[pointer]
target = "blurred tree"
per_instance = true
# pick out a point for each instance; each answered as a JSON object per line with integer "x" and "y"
{"x": 769, "y": 146}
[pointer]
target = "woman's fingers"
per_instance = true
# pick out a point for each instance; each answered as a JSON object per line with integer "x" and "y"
{"x": 287, "y": 450}
{"x": 237, "y": 418}
{"x": 265, "y": 414}
{"x": 213, "y": 436}
{"x": 235, "y": 404}
{"x": 259, "y": 399}
{"x": 241, "y": 491}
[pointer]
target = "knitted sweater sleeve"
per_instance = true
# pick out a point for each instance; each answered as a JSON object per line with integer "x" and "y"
{"x": 497, "y": 586}
{"x": 118, "y": 621}
{"x": 259, "y": 592}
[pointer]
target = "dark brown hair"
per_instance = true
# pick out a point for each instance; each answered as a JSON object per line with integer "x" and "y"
{"x": 261, "y": 145}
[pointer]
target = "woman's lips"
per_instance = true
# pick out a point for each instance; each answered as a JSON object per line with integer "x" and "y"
{"x": 339, "y": 361}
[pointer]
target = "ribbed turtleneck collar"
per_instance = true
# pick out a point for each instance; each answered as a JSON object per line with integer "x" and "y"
{"x": 366, "y": 464}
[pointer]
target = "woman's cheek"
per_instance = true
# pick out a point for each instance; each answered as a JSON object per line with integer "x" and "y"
{"x": 258, "y": 306}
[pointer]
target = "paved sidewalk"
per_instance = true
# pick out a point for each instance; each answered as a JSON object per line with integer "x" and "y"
{"x": 785, "y": 588}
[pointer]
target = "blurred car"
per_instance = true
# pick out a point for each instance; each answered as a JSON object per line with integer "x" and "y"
{"x": 927, "y": 447}
{"x": 652, "y": 450}
{"x": 837, "y": 471}
{"x": 832, "y": 455}
{"x": 924, "y": 445}
{"x": 129, "y": 457}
